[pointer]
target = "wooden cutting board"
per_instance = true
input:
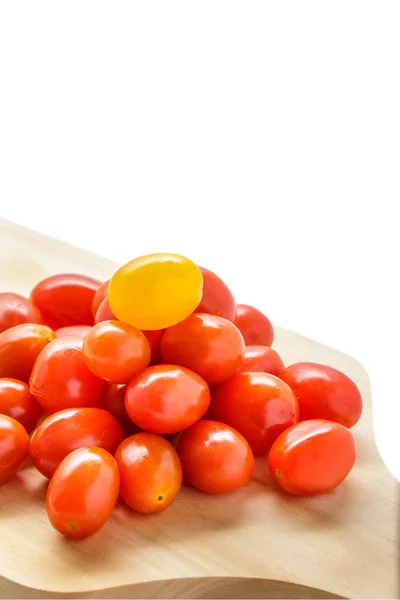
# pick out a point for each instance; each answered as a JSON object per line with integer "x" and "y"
{"x": 255, "y": 543}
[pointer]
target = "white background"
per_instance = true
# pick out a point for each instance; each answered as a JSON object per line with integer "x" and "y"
{"x": 262, "y": 139}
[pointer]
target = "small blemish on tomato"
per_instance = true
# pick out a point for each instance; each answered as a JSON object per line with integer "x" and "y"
{"x": 278, "y": 473}
{"x": 160, "y": 498}
{"x": 72, "y": 526}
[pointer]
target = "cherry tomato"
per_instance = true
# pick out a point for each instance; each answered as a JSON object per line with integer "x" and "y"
{"x": 150, "y": 472}
{"x": 113, "y": 400}
{"x": 261, "y": 358}
{"x": 312, "y": 457}
{"x": 215, "y": 457}
{"x": 70, "y": 429}
{"x": 324, "y": 393}
{"x": 209, "y": 345}
{"x": 16, "y": 309}
{"x": 166, "y": 399}
{"x": 99, "y": 296}
{"x": 19, "y": 348}
{"x": 104, "y": 312}
{"x": 255, "y": 327}
{"x": 14, "y": 443}
{"x": 65, "y": 299}
{"x": 155, "y": 291}
{"x": 17, "y": 402}
{"x": 75, "y": 330}
{"x": 60, "y": 378}
{"x": 259, "y": 405}
{"x": 154, "y": 339}
{"x": 116, "y": 351}
{"x": 217, "y": 298}
{"x": 82, "y": 492}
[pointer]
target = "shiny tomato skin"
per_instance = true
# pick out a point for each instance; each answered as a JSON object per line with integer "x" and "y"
{"x": 104, "y": 313}
{"x": 324, "y": 393}
{"x": 256, "y": 328}
{"x": 312, "y": 457}
{"x": 209, "y": 345}
{"x": 99, "y": 296}
{"x": 166, "y": 399}
{"x": 65, "y": 299}
{"x": 263, "y": 359}
{"x": 17, "y": 402}
{"x": 258, "y": 405}
{"x": 14, "y": 444}
{"x": 67, "y": 430}
{"x": 16, "y": 309}
{"x": 217, "y": 298}
{"x": 60, "y": 378}
{"x": 20, "y": 347}
{"x": 116, "y": 351}
{"x": 154, "y": 338}
{"x": 113, "y": 400}
{"x": 75, "y": 330}
{"x": 82, "y": 492}
{"x": 215, "y": 457}
{"x": 150, "y": 472}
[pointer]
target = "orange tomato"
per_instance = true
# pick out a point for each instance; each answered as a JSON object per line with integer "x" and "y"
{"x": 14, "y": 444}
{"x": 20, "y": 347}
{"x": 17, "y": 402}
{"x": 16, "y": 309}
{"x": 261, "y": 358}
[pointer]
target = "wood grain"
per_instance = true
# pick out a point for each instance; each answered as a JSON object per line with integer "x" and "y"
{"x": 255, "y": 543}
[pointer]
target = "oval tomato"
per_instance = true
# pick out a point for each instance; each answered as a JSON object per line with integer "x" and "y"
{"x": 82, "y": 492}
{"x": 262, "y": 359}
{"x": 217, "y": 298}
{"x": 312, "y": 457}
{"x": 211, "y": 346}
{"x": 19, "y": 348}
{"x": 75, "y": 330}
{"x": 70, "y": 429}
{"x": 258, "y": 405}
{"x": 116, "y": 351}
{"x": 155, "y": 291}
{"x": 17, "y": 402}
{"x": 166, "y": 399}
{"x": 255, "y": 327}
{"x": 104, "y": 312}
{"x": 215, "y": 457}
{"x": 16, "y": 309}
{"x": 65, "y": 299}
{"x": 324, "y": 393}
{"x": 14, "y": 443}
{"x": 60, "y": 378}
{"x": 99, "y": 296}
{"x": 150, "y": 472}
{"x": 113, "y": 400}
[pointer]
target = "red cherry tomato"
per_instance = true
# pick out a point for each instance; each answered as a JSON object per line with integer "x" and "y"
{"x": 215, "y": 457}
{"x": 70, "y": 429}
{"x": 312, "y": 457}
{"x": 16, "y": 309}
{"x": 211, "y": 346}
{"x": 166, "y": 399}
{"x": 14, "y": 443}
{"x": 75, "y": 330}
{"x": 17, "y": 402}
{"x": 104, "y": 312}
{"x": 217, "y": 298}
{"x": 65, "y": 299}
{"x": 259, "y": 405}
{"x": 113, "y": 400}
{"x": 261, "y": 358}
{"x": 150, "y": 471}
{"x": 99, "y": 296}
{"x": 255, "y": 327}
{"x": 19, "y": 348}
{"x": 154, "y": 339}
{"x": 82, "y": 492}
{"x": 324, "y": 393}
{"x": 60, "y": 378}
{"x": 116, "y": 351}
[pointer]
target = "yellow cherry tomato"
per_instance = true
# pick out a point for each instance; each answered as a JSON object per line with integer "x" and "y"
{"x": 155, "y": 291}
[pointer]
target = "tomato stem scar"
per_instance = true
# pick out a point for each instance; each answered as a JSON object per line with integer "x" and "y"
{"x": 278, "y": 473}
{"x": 159, "y": 498}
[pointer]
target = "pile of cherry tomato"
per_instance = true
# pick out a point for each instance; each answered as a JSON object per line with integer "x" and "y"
{"x": 156, "y": 379}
